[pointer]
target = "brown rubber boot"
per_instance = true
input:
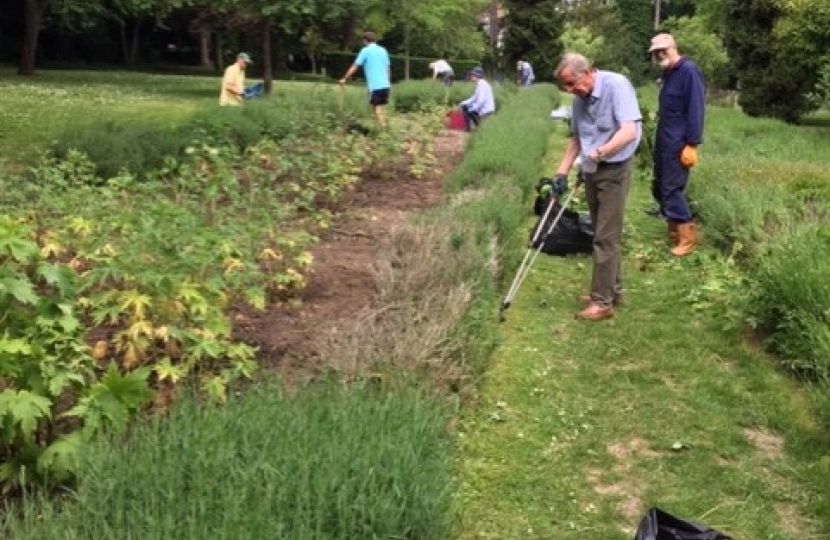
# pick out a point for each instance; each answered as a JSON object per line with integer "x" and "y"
{"x": 687, "y": 239}
{"x": 673, "y": 238}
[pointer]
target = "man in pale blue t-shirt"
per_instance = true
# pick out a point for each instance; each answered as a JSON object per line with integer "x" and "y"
{"x": 375, "y": 63}
{"x": 606, "y": 131}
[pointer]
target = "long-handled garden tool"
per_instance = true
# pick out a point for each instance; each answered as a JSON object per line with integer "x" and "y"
{"x": 536, "y": 244}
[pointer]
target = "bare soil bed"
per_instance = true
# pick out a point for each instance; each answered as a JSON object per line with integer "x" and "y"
{"x": 341, "y": 281}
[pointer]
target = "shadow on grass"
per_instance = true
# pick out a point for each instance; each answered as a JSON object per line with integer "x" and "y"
{"x": 819, "y": 119}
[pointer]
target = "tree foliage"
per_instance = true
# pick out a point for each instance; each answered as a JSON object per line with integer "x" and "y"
{"x": 620, "y": 51}
{"x": 775, "y": 69}
{"x": 582, "y": 40}
{"x": 698, "y": 42}
{"x": 534, "y": 29}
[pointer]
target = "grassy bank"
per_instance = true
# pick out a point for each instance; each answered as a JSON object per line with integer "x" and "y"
{"x": 584, "y": 426}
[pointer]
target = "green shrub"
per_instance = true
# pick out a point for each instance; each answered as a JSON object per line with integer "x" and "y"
{"x": 140, "y": 149}
{"x": 322, "y": 463}
{"x": 793, "y": 299}
{"x": 412, "y": 96}
{"x": 113, "y": 146}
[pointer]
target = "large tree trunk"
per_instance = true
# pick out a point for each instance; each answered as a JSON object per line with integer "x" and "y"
{"x": 33, "y": 13}
{"x": 122, "y": 34}
{"x": 494, "y": 33}
{"x": 129, "y": 51}
{"x": 267, "y": 64}
{"x": 220, "y": 65}
{"x": 133, "y": 58}
{"x": 406, "y": 49}
{"x": 347, "y": 29}
{"x": 204, "y": 47}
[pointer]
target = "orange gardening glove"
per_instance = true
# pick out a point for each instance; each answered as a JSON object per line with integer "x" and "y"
{"x": 688, "y": 157}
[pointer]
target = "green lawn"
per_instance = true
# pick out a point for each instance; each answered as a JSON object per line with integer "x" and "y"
{"x": 584, "y": 426}
{"x": 33, "y": 110}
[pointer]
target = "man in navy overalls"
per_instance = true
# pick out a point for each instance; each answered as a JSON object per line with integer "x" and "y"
{"x": 679, "y": 132}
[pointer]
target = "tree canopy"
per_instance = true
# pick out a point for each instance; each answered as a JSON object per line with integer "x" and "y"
{"x": 774, "y": 51}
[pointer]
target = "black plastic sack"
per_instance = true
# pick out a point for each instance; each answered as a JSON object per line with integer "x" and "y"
{"x": 660, "y": 525}
{"x": 573, "y": 234}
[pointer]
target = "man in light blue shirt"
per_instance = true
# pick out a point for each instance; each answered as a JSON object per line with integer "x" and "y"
{"x": 481, "y": 104}
{"x": 606, "y": 128}
{"x": 375, "y": 63}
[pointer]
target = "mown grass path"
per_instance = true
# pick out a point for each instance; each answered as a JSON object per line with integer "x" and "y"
{"x": 584, "y": 426}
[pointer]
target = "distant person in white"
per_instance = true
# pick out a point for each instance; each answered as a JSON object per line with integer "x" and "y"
{"x": 442, "y": 70}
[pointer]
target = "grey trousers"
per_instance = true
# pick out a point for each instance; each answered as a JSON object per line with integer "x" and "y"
{"x": 606, "y": 192}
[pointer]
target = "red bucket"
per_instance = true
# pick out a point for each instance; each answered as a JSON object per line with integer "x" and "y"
{"x": 455, "y": 121}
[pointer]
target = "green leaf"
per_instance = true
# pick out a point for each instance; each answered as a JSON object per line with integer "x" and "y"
{"x": 21, "y": 289}
{"x": 131, "y": 389}
{"x": 216, "y": 388}
{"x": 58, "y": 383}
{"x": 166, "y": 370}
{"x": 255, "y": 296}
{"x": 61, "y": 459}
{"x": 25, "y": 409}
{"x": 207, "y": 348}
{"x": 15, "y": 346}
{"x": 60, "y": 277}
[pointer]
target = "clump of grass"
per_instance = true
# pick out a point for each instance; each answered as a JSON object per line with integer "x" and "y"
{"x": 794, "y": 295}
{"x": 323, "y": 463}
{"x": 741, "y": 220}
{"x": 423, "y": 95}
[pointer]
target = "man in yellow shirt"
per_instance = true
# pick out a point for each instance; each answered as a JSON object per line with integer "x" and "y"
{"x": 233, "y": 83}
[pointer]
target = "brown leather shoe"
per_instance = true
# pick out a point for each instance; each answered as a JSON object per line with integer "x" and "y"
{"x": 595, "y": 312}
{"x": 586, "y": 300}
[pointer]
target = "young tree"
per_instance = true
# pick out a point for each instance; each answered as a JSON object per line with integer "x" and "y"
{"x": 774, "y": 73}
{"x": 804, "y": 32}
{"x": 582, "y": 40}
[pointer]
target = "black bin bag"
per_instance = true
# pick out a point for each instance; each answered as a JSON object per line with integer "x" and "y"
{"x": 660, "y": 525}
{"x": 573, "y": 234}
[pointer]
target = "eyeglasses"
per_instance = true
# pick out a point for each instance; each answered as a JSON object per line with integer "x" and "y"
{"x": 570, "y": 83}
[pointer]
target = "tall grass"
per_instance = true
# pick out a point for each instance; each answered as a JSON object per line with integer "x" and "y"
{"x": 320, "y": 464}
{"x": 793, "y": 304}
{"x": 761, "y": 192}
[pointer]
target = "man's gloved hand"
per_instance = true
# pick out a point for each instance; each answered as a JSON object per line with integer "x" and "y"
{"x": 688, "y": 157}
{"x": 560, "y": 184}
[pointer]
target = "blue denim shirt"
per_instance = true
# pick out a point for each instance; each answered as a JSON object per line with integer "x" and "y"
{"x": 596, "y": 118}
